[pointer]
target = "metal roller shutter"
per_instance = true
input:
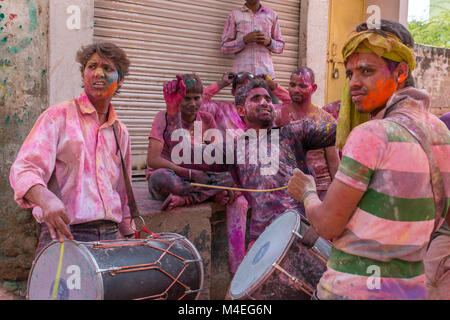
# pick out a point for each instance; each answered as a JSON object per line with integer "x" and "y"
{"x": 166, "y": 37}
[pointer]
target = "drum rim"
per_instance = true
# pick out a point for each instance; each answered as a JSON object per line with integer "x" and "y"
{"x": 255, "y": 285}
{"x": 79, "y": 244}
{"x": 194, "y": 251}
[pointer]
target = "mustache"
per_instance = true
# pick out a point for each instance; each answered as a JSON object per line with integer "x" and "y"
{"x": 356, "y": 92}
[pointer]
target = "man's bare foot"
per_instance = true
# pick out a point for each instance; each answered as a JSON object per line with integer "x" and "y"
{"x": 221, "y": 198}
{"x": 174, "y": 201}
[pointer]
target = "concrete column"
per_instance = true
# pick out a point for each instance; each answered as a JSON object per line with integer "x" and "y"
{"x": 71, "y": 25}
{"x": 317, "y": 44}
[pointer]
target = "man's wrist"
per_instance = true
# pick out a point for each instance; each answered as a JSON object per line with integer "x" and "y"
{"x": 307, "y": 194}
{"x": 222, "y": 84}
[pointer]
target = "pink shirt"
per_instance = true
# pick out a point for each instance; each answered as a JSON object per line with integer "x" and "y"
{"x": 252, "y": 57}
{"x": 84, "y": 155}
{"x": 157, "y": 133}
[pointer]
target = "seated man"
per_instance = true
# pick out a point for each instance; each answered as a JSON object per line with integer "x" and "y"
{"x": 287, "y": 152}
{"x": 301, "y": 88}
{"x": 68, "y": 169}
{"x": 166, "y": 179}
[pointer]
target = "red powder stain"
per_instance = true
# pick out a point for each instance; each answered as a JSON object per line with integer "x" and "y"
{"x": 378, "y": 97}
{"x": 12, "y": 16}
{"x": 402, "y": 78}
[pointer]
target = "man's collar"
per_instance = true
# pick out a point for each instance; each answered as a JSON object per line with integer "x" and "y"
{"x": 86, "y": 107}
{"x": 260, "y": 9}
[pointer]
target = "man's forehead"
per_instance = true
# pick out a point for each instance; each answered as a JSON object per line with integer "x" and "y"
{"x": 364, "y": 59}
{"x": 258, "y": 92}
{"x": 99, "y": 59}
{"x": 301, "y": 78}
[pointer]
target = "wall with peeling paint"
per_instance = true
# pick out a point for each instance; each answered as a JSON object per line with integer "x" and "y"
{"x": 23, "y": 96}
{"x": 433, "y": 74}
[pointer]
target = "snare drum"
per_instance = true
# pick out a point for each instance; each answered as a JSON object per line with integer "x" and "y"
{"x": 167, "y": 267}
{"x": 279, "y": 265}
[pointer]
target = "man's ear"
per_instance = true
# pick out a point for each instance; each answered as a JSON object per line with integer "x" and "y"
{"x": 241, "y": 111}
{"x": 119, "y": 85}
{"x": 314, "y": 88}
{"x": 402, "y": 72}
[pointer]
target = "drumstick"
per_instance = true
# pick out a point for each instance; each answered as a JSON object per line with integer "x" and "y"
{"x": 236, "y": 189}
{"x": 58, "y": 273}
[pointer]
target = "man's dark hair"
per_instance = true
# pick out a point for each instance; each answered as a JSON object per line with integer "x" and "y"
{"x": 242, "y": 93}
{"x": 307, "y": 71}
{"x": 400, "y": 32}
{"x": 106, "y": 50}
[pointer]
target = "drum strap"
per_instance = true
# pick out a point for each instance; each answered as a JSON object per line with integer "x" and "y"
{"x": 134, "y": 211}
{"x": 437, "y": 183}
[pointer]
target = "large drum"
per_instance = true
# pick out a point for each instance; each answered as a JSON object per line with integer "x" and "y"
{"x": 279, "y": 266}
{"x": 163, "y": 267}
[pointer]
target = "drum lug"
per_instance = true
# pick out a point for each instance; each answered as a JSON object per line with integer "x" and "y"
{"x": 108, "y": 270}
{"x": 190, "y": 261}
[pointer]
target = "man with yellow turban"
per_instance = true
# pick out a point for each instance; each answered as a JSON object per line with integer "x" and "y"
{"x": 385, "y": 201}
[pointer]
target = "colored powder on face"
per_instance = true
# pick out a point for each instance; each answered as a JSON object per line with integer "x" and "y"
{"x": 378, "y": 97}
{"x": 112, "y": 85}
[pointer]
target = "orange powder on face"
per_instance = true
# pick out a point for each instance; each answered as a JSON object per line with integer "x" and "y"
{"x": 112, "y": 87}
{"x": 378, "y": 97}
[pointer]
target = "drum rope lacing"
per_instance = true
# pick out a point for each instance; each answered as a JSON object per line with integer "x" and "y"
{"x": 152, "y": 266}
{"x": 296, "y": 281}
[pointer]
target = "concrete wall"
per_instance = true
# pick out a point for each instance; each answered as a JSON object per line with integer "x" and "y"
{"x": 23, "y": 96}
{"x": 71, "y": 25}
{"x": 433, "y": 74}
{"x": 392, "y": 10}
{"x": 317, "y": 43}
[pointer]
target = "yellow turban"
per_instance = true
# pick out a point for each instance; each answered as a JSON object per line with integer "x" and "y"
{"x": 389, "y": 47}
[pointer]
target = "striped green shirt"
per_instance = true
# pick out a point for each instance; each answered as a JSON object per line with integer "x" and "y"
{"x": 379, "y": 255}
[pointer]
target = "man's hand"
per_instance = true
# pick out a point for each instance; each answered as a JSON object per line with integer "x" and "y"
{"x": 299, "y": 184}
{"x": 53, "y": 211}
{"x": 56, "y": 219}
{"x": 258, "y": 37}
{"x": 226, "y": 80}
{"x": 174, "y": 92}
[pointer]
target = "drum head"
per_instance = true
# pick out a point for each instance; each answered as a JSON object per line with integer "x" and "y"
{"x": 78, "y": 277}
{"x": 267, "y": 250}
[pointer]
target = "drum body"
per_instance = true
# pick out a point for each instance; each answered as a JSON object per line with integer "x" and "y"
{"x": 167, "y": 267}
{"x": 278, "y": 266}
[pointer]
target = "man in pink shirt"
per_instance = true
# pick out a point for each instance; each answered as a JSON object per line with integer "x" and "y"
{"x": 252, "y": 33}
{"x": 324, "y": 161}
{"x": 68, "y": 169}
